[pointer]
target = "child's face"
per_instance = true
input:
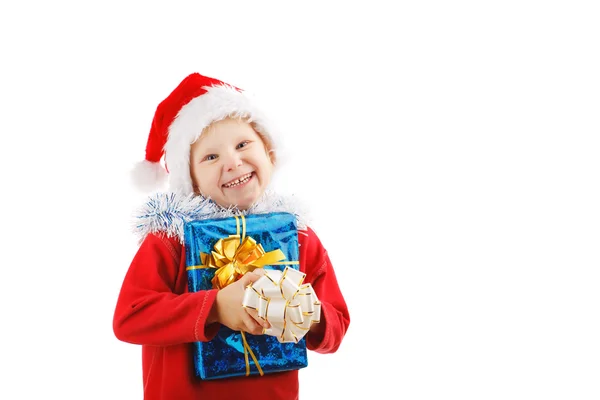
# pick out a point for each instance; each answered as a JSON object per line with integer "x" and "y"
{"x": 229, "y": 163}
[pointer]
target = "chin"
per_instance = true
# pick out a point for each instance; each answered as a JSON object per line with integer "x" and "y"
{"x": 244, "y": 204}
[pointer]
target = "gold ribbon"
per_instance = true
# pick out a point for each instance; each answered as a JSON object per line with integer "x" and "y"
{"x": 232, "y": 257}
{"x": 247, "y": 350}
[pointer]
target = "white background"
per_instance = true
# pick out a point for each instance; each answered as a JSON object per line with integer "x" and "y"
{"x": 448, "y": 152}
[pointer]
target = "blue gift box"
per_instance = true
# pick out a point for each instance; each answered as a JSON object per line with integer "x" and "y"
{"x": 224, "y": 356}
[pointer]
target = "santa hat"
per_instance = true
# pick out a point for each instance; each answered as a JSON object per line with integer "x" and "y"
{"x": 179, "y": 121}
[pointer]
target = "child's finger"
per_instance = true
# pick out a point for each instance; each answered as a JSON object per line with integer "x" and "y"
{"x": 249, "y": 277}
{"x": 251, "y": 325}
{"x": 258, "y": 319}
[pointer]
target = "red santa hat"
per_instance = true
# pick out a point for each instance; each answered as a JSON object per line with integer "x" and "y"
{"x": 179, "y": 121}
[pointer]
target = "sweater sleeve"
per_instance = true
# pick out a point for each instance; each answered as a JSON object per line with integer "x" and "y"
{"x": 335, "y": 317}
{"x": 148, "y": 310}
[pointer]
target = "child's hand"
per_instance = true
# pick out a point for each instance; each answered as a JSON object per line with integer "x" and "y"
{"x": 229, "y": 310}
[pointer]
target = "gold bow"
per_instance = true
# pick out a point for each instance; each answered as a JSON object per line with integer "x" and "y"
{"x": 232, "y": 257}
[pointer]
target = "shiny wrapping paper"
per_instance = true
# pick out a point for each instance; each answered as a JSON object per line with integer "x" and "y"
{"x": 224, "y": 356}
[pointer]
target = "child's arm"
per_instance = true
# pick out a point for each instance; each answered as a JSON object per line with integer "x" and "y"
{"x": 325, "y": 336}
{"x": 149, "y": 311}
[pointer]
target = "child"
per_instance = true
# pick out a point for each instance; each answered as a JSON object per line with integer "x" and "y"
{"x": 220, "y": 154}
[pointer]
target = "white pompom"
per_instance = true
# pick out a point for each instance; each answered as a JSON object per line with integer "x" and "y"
{"x": 149, "y": 176}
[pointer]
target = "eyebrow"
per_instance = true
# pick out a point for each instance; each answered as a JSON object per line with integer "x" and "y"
{"x": 210, "y": 150}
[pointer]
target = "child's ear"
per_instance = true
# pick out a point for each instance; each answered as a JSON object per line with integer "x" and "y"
{"x": 196, "y": 188}
{"x": 272, "y": 157}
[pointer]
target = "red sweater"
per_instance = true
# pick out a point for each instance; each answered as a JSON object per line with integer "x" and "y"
{"x": 155, "y": 310}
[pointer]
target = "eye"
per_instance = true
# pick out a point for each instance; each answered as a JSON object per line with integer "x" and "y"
{"x": 210, "y": 157}
{"x": 242, "y": 144}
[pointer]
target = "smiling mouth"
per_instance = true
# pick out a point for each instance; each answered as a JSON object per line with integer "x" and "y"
{"x": 238, "y": 181}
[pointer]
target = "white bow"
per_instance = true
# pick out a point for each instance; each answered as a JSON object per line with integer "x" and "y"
{"x": 280, "y": 298}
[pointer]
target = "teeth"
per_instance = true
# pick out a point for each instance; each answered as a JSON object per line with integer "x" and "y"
{"x": 238, "y": 181}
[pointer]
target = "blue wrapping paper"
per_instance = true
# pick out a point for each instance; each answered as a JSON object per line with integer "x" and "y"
{"x": 223, "y": 356}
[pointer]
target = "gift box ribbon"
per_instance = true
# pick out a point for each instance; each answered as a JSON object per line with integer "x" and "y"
{"x": 232, "y": 257}
{"x": 289, "y": 306}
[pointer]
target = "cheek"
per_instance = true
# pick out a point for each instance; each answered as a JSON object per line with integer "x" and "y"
{"x": 263, "y": 158}
{"x": 267, "y": 171}
{"x": 203, "y": 177}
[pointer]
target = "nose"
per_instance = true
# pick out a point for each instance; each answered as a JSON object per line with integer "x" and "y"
{"x": 233, "y": 161}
